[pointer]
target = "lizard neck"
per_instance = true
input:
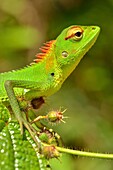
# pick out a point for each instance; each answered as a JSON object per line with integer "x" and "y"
{"x": 69, "y": 68}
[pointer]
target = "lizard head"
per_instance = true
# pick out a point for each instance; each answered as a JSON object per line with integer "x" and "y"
{"x": 72, "y": 44}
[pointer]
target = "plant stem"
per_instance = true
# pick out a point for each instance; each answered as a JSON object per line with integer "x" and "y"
{"x": 86, "y": 154}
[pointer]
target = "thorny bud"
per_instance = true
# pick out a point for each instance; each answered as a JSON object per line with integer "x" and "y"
{"x": 50, "y": 152}
{"x": 49, "y": 136}
{"x": 56, "y": 116}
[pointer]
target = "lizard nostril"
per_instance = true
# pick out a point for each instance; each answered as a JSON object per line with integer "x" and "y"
{"x": 93, "y": 28}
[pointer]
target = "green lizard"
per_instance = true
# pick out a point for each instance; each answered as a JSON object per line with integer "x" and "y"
{"x": 45, "y": 76}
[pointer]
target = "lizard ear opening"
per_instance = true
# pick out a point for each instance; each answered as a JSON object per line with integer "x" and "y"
{"x": 64, "y": 54}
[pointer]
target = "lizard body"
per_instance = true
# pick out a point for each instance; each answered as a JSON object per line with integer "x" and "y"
{"x": 49, "y": 70}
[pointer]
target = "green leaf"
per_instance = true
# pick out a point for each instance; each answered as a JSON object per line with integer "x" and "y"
{"x": 19, "y": 152}
{"x": 4, "y": 114}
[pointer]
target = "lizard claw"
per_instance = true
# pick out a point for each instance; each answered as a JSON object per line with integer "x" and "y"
{"x": 21, "y": 127}
{"x": 24, "y": 123}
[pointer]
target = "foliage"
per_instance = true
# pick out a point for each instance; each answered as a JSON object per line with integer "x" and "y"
{"x": 88, "y": 92}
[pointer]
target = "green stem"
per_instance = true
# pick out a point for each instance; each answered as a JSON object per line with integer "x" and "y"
{"x": 86, "y": 154}
{"x": 83, "y": 153}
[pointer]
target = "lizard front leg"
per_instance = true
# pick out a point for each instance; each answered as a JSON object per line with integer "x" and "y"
{"x": 9, "y": 85}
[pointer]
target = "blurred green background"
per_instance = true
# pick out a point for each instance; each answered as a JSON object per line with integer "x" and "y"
{"x": 88, "y": 92}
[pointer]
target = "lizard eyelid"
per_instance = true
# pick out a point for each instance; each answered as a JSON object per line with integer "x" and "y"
{"x": 75, "y": 33}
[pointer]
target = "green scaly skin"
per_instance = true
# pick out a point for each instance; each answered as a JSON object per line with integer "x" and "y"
{"x": 48, "y": 72}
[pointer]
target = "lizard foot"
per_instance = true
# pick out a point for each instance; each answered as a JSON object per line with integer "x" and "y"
{"x": 23, "y": 123}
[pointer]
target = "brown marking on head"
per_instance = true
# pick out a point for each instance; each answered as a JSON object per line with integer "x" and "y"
{"x": 68, "y": 37}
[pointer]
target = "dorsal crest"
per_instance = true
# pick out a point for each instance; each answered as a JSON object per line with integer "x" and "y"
{"x": 45, "y": 49}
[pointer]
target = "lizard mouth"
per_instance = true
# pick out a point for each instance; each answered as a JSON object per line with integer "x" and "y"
{"x": 91, "y": 39}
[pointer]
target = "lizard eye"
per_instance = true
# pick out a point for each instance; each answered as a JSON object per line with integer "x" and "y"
{"x": 75, "y": 33}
